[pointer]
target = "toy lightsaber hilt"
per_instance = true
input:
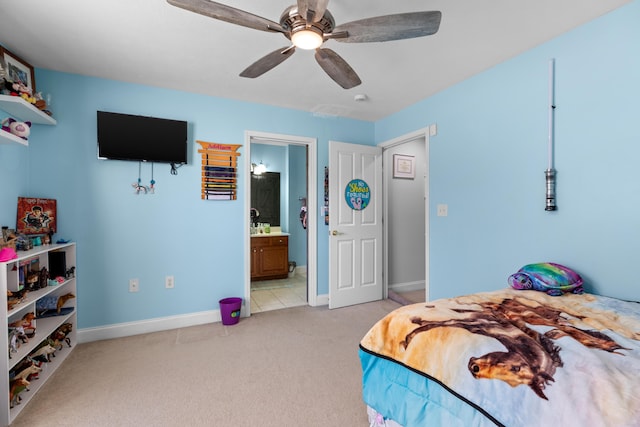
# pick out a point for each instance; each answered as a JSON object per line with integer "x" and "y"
{"x": 550, "y": 178}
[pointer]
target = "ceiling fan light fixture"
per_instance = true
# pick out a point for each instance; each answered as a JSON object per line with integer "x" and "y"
{"x": 308, "y": 23}
{"x": 307, "y": 38}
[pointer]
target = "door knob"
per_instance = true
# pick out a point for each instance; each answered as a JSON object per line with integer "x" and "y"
{"x": 335, "y": 233}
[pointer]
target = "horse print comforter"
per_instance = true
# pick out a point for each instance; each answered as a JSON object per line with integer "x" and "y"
{"x": 520, "y": 358}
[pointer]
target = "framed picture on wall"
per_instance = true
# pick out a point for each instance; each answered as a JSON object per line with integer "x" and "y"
{"x": 36, "y": 216}
{"x": 17, "y": 69}
{"x": 404, "y": 166}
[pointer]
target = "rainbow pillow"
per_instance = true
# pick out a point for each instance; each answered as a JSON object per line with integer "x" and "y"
{"x": 554, "y": 279}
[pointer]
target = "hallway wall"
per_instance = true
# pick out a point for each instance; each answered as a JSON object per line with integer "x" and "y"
{"x": 406, "y": 219}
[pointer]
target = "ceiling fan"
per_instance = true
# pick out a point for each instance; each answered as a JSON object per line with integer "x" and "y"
{"x": 308, "y": 24}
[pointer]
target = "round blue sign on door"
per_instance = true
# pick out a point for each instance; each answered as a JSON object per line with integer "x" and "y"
{"x": 357, "y": 194}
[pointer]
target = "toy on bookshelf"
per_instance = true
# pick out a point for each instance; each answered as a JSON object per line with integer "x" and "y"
{"x": 27, "y": 323}
{"x": 16, "y": 337}
{"x": 52, "y": 304}
{"x": 28, "y": 369}
{"x": 61, "y": 335}
{"x": 16, "y": 297}
{"x": 17, "y": 386}
{"x": 44, "y": 352}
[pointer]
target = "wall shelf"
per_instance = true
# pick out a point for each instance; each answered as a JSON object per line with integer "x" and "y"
{"x": 20, "y": 109}
{"x": 8, "y": 138}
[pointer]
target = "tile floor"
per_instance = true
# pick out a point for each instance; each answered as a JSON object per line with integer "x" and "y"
{"x": 267, "y": 295}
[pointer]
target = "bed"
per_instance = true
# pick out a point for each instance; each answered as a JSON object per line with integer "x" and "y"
{"x": 505, "y": 358}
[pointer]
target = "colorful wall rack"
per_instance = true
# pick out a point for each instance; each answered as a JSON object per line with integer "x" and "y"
{"x": 219, "y": 170}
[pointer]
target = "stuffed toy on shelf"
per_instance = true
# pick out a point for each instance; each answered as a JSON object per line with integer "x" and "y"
{"x": 21, "y": 129}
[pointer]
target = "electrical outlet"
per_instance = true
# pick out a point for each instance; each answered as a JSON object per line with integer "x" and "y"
{"x": 134, "y": 285}
{"x": 169, "y": 282}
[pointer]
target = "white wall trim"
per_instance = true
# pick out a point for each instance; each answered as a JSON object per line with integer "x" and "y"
{"x": 420, "y": 133}
{"x": 408, "y": 286}
{"x": 301, "y": 270}
{"x": 312, "y": 207}
{"x": 321, "y": 300}
{"x": 158, "y": 324}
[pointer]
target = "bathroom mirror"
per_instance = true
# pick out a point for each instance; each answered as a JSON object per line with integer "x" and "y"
{"x": 265, "y": 197}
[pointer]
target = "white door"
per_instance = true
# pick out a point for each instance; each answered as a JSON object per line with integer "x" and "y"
{"x": 355, "y": 224}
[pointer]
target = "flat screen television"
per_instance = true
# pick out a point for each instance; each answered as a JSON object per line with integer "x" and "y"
{"x": 141, "y": 138}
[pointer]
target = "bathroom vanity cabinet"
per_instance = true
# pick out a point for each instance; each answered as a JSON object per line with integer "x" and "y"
{"x": 269, "y": 257}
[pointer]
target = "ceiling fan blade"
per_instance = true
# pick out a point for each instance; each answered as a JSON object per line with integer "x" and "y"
{"x": 268, "y": 62}
{"x": 312, "y": 10}
{"x": 389, "y": 27}
{"x": 337, "y": 68}
{"x": 228, "y": 14}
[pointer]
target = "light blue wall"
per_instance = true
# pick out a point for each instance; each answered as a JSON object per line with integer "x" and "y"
{"x": 486, "y": 163}
{"x": 297, "y": 189}
{"x": 14, "y": 181}
{"x": 488, "y": 160}
{"x": 121, "y": 235}
{"x": 405, "y": 244}
{"x": 14, "y": 177}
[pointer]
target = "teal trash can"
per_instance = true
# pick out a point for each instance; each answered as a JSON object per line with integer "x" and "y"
{"x": 230, "y": 310}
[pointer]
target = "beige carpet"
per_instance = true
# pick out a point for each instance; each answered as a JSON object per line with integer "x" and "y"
{"x": 293, "y": 367}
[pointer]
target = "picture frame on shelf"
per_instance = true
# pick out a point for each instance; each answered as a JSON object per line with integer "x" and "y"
{"x": 18, "y": 69}
{"x": 36, "y": 216}
{"x": 404, "y": 166}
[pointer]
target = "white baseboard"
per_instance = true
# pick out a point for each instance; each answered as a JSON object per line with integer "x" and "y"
{"x": 127, "y": 329}
{"x": 158, "y": 324}
{"x": 322, "y": 300}
{"x": 408, "y": 286}
{"x": 301, "y": 270}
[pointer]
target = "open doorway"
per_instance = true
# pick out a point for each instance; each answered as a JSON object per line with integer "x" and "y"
{"x": 406, "y": 215}
{"x": 275, "y": 198}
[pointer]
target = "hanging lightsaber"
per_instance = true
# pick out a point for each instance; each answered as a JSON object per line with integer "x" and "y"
{"x": 550, "y": 173}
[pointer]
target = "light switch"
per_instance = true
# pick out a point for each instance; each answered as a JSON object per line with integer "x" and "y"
{"x": 443, "y": 210}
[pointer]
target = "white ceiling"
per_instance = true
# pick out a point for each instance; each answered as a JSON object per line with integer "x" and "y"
{"x": 151, "y": 42}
